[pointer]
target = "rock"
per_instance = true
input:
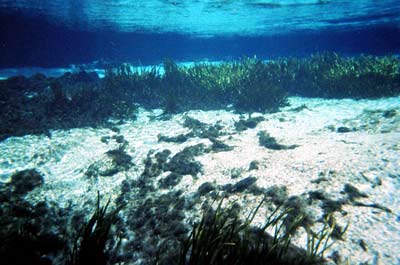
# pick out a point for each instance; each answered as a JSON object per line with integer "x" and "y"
{"x": 316, "y": 195}
{"x": 353, "y": 192}
{"x": 319, "y": 180}
{"x": 17, "y": 82}
{"x": 155, "y": 165}
{"x": 82, "y": 77}
{"x": 119, "y": 139}
{"x": 105, "y": 139}
{"x": 103, "y": 167}
{"x": 278, "y": 194}
{"x": 236, "y": 173}
{"x": 26, "y": 180}
{"x": 113, "y": 162}
{"x": 299, "y": 108}
{"x": 195, "y": 150}
{"x": 205, "y": 188}
{"x": 37, "y": 105}
{"x": 210, "y": 132}
{"x": 162, "y": 156}
{"x": 193, "y": 124}
{"x": 169, "y": 181}
{"x": 336, "y": 257}
{"x": 270, "y": 142}
{"x": 125, "y": 186}
{"x": 219, "y": 146}
{"x": 363, "y": 245}
{"x": 243, "y": 184}
{"x": 254, "y": 165}
{"x": 256, "y": 190}
{"x": 175, "y": 139}
{"x": 183, "y": 163}
{"x": 343, "y": 129}
{"x": 377, "y": 182}
{"x": 372, "y": 205}
{"x": 115, "y": 129}
{"x": 330, "y": 206}
{"x": 5, "y": 194}
{"x": 376, "y": 120}
{"x": 389, "y": 113}
{"x": 120, "y": 158}
{"x": 250, "y": 123}
{"x": 299, "y": 206}
{"x": 338, "y": 231}
{"x": 202, "y": 130}
{"x": 37, "y": 230}
{"x": 157, "y": 219}
{"x": 330, "y": 128}
{"x": 226, "y": 187}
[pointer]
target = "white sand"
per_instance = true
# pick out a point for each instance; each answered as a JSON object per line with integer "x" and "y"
{"x": 358, "y": 158}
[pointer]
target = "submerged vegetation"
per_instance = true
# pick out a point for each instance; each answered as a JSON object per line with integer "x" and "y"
{"x": 91, "y": 246}
{"x": 221, "y": 237}
{"x": 38, "y": 104}
{"x": 329, "y": 75}
{"x": 46, "y": 234}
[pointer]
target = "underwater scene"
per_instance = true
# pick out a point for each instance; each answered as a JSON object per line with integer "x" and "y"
{"x": 199, "y": 132}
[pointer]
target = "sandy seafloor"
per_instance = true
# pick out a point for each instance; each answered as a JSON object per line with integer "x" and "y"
{"x": 368, "y": 158}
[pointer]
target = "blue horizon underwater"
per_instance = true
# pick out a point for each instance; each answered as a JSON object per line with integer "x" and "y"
{"x": 199, "y": 132}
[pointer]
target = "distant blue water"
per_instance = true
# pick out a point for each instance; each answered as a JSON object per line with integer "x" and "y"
{"x": 58, "y": 33}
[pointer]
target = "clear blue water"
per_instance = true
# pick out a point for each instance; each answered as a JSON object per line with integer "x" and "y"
{"x": 211, "y": 18}
{"x": 58, "y": 33}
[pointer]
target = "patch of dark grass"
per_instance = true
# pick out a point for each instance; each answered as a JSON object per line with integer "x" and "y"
{"x": 90, "y": 246}
{"x": 221, "y": 237}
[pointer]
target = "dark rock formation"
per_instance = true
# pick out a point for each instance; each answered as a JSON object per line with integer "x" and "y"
{"x": 250, "y": 123}
{"x": 170, "y": 181}
{"x": 205, "y": 188}
{"x": 114, "y": 161}
{"x": 270, "y": 142}
{"x": 24, "y": 181}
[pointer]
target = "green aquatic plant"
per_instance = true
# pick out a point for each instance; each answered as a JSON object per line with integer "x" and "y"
{"x": 177, "y": 88}
{"x": 221, "y": 237}
{"x": 90, "y": 246}
{"x": 253, "y": 85}
{"x": 217, "y": 81}
{"x": 172, "y": 103}
{"x": 333, "y": 76}
{"x": 245, "y": 83}
{"x": 134, "y": 85}
{"x": 319, "y": 242}
{"x": 257, "y": 92}
{"x": 249, "y": 84}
